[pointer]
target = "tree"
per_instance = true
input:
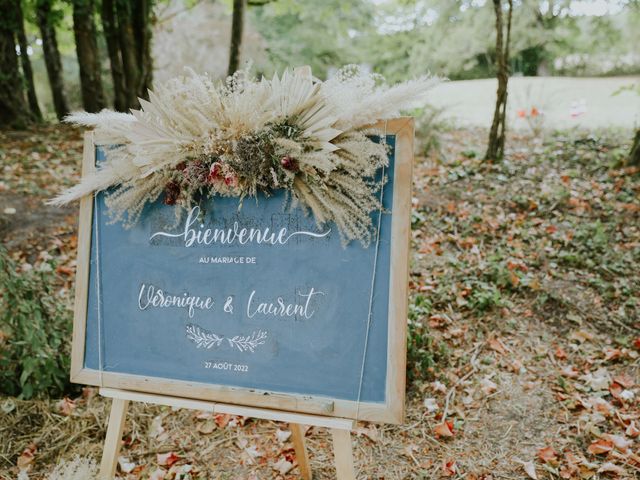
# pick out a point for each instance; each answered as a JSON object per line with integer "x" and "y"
{"x": 127, "y": 28}
{"x": 26, "y": 63}
{"x": 110, "y": 28}
{"x": 84, "y": 31}
{"x": 237, "y": 26}
{"x": 14, "y": 111}
{"x": 128, "y": 51}
{"x": 47, "y": 19}
{"x": 495, "y": 148}
{"x": 634, "y": 155}
{"x": 142, "y": 20}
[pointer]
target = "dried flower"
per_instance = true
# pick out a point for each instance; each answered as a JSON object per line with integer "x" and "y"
{"x": 215, "y": 172}
{"x": 248, "y": 136}
{"x": 289, "y": 163}
{"x": 171, "y": 193}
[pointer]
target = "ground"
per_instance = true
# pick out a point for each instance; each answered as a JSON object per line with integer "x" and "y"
{"x": 524, "y": 330}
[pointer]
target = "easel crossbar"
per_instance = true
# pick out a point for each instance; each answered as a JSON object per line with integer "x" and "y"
{"x": 214, "y": 407}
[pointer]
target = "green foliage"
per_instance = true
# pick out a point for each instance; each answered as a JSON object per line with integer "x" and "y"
{"x": 423, "y": 352}
{"x": 429, "y": 126}
{"x": 35, "y": 333}
{"x": 324, "y": 35}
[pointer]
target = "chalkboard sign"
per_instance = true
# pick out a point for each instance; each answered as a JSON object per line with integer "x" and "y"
{"x": 254, "y": 306}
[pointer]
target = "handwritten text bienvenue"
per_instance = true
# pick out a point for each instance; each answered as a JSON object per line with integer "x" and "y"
{"x": 195, "y": 234}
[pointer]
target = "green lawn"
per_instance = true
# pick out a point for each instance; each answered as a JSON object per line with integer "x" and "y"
{"x": 472, "y": 101}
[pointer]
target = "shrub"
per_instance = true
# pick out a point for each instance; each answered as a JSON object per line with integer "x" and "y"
{"x": 422, "y": 351}
{"x": 35, "y": 333}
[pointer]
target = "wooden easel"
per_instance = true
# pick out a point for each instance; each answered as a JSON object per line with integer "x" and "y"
{"x": 340, "y": 429}
{"x": 391, "y": 411}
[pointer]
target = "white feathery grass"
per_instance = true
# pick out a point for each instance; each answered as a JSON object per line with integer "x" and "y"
{"x": 251, "y": 124}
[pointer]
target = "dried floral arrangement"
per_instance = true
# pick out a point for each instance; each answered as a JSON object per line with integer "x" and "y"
{"x": 195, "y": 138}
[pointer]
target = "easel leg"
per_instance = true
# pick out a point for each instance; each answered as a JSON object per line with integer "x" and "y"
{"x": 343, "y": 453}
{"x": 113, "y": 439}
{"x": 297, "y": 435}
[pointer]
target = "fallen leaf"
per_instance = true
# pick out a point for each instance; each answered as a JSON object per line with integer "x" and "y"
{"x": 439, "y": 386}
{"x": 157, "y": 474}
{"x": 65, "y": 406}
{"x": 615, "y": 390}
{"x": 125, "y": 465}
{"x": 581, "y": 336}
{"x": 27, "y": 457}
{"x": 444, "y": 429}
{"x": 547, "y": 455}
{"x": 206, "y": 427}
{"x": 488, "y": 387}
{"x": 610, "y": 467}
{"x": 612, "y": 353}
{"x": 600, "y": 446}
{"x": 8, "y": 406}
{"x": 156, "y": 429}
{"x": 627, "y": 395}
{"x": 222, "y": 419}
{"x": 431, "y": 405}
{"x": 497, "y": 345}
{"x": 570, "y": 372}
{"x": 283, "y": 435}
{"x": 282, "y": 466}
{"x": 167, "y": 459}
{"x": 625, "y": 380}
{"x": 619, "y": 441}
{"x": 370, "y": 432}
{"x": 632, "y": 431}
{"x": 530, "y": 469}
{"x": 449, "y": 468}
{"x": 560, "y": 354}
{"x": 64, "y": 270}
{"x": 598, "y": 380}
{"x": 253, "y": 452}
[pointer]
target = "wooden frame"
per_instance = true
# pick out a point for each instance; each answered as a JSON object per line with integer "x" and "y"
{"x": 391, "y": 411}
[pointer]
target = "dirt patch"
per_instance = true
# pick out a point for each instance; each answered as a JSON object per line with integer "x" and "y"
{"x": 27, "y": 220}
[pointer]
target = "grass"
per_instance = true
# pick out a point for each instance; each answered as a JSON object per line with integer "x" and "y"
{"x": 471, "y": 102}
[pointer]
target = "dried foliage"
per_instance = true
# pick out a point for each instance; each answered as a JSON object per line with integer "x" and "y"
{"x": 194, "y": 139}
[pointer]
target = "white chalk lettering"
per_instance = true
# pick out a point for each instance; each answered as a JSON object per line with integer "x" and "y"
{"x": 152, "y": 297}
{"x": 194, "y": 234}
{"x": 280, "y": 308}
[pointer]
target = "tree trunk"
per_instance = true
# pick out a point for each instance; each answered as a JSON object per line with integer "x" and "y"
{"x": 84, "y": 30}
{"x": 26, "y": 63}
{"x": 110, "y": 27}
{"x": 128, "y": 52}
{"x": 141, "y": 20}
{"x": 52, "y": 57}
{"x": 14, "y": 112}
{"x": 495, "y": 147}
{"x": 634, "y": 155}
{"x": 237, "y": 25}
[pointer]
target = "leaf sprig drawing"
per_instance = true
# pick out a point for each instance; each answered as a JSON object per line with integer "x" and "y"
{"x": 248, "y": 342}
{"x": 207, "y": 339}
{"x": 203, "y": 338}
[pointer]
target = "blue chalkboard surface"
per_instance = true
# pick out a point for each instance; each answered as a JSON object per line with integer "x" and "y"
{"x": 258, "y": 298}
